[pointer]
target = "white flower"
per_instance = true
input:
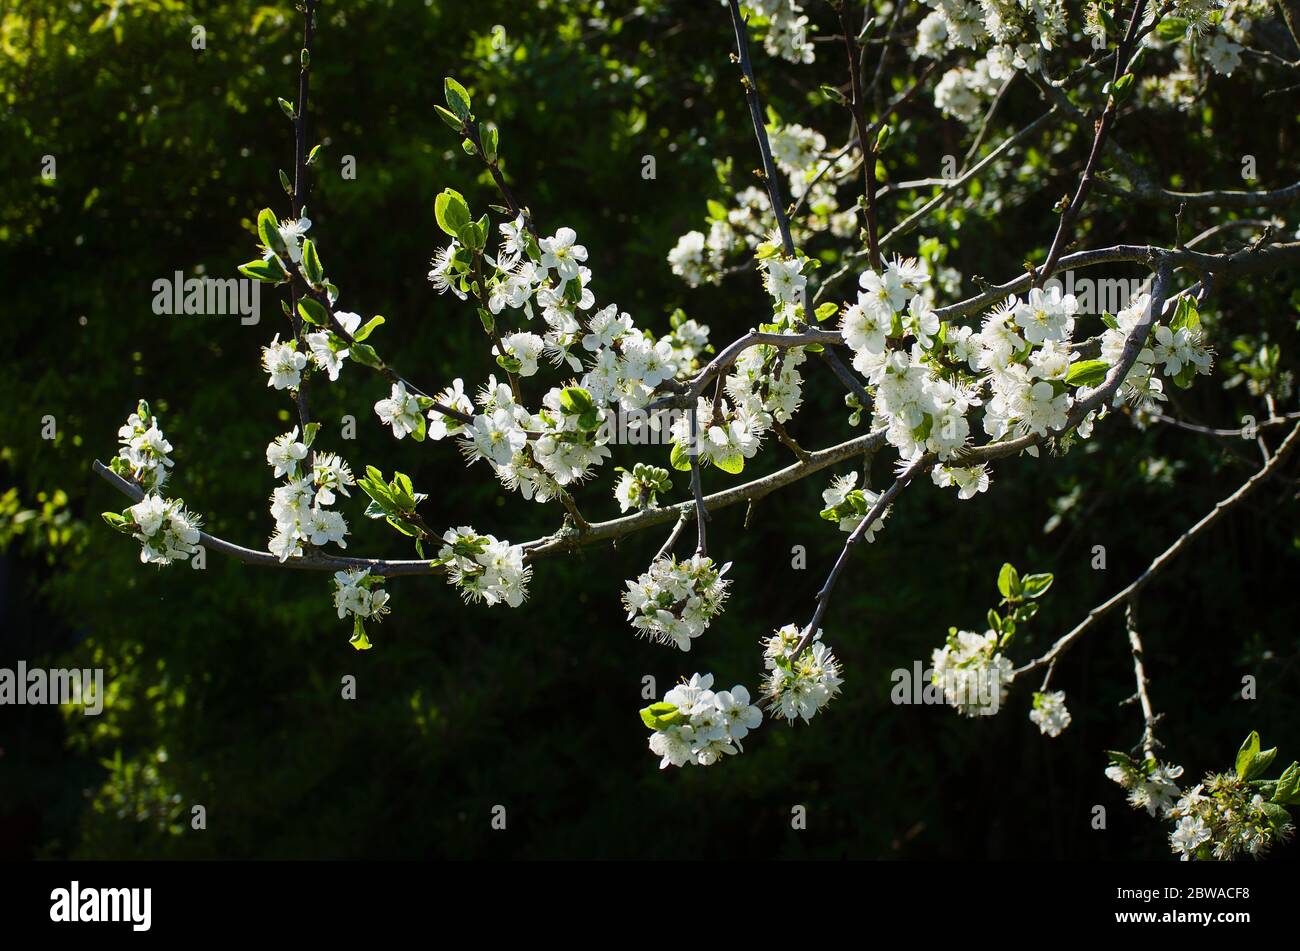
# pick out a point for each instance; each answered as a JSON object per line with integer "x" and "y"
{"x": 676, "y": 601}
{"x": 526, "y": 348}
{"x": 284, "y": 363}
{"x": 484, "y": 568}
{"x": 674, "y": 744}
{"x": 1049, "y": 713}
{"x": 513, "y": 242}
{"x": 921, "y": 321}
{"x": 865, "y": 328}
{"x": 561, "y": 252}
{"x": 145, "y": 449}
{"x": 739, "y": 716}
{"x": 1222, "y": 54}
{"x": 1179, "y": 348}
{"x": 1190, "y": 833}
{"x": 322, "y": 354}
{"x": 1046, "y": 315}
{"x": 291, "y": 232}
{"x": 442, "y": 274}
{"x": 887, "y": 291}
{"x": 606, "y": 327}
{"x": 165, "y": 530}
{"x": 401, "y": 411}
{"x": 969, "y": 480}
{"x": 693, "y": 726}
{"x": 973, "y": 675}
{"x": 784, "y": 280}
{"x": 799, "y": 686}
{"x": 285, "y": 452}
{"x": 496, "y": 437}
{"x": 453, "y": 397}
{"x": 687, "y": 258}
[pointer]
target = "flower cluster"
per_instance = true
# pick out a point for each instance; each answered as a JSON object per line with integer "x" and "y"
{"x": 1015, "y": 33}
{"x": 676, "y": 601}
{"x": 300, "y": 506}
{"x": 540, "y": 454}
{"x": 639, "y": 487}
{"x": 357, "y": 592}
{"x": 848, "y": 506}
{"x": 768, "y": 380}
{"x": 165, "y": 530}
{"x": 787, "y": 29}
{"x": 285, "y": 363}
{"x": 1049, "y": 713}
{"x": 813, "y": 176}
{"x": 800, "y": 686}
{"x": 693, "y": 725}
{"x": 1224, "y": 818}
{"x": 973, "y": 674}
{"x": 144, "y": 452}
{"x": 1149, "y": 783}
{"x": 726, "y": 434}
{"x": 483, "y": 568}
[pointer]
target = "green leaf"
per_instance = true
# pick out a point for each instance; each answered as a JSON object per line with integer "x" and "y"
{"x": 660, "y": 715}
{"x": 268, "y": 229}
{"x": 451, "y": 211}
{"x": 717, "y": 210}
{"x": 1246, "y": 755}
{"x": 286, "y": 107}
{"x": 733, "y": 463}
{"x": 1186, "y": 315}
{"x": 358, "y": 638}
{"x": 313, "y": 155}
{"x": 1009, "y": 582}
{"x": 680, "y": 458}
{"x": 365, "y": 354}
{"x": 449, "y": 118}
{"x": 366, "y": 329}
{"x": 1288, "y": 786}
{"x": 1087, "y": 372}
{"x": 270, "y": 272}
{"x": 826, "y": 311}
{"x": 309, "y": 434}
{"x": 575, "y": 401}
{"x": 1261, "y": 763}
{"x": 403, "y": 490}
{"x": 402, "y": 525}
{"x": 285, "y": 183}
{"x": 1035, "y": 586}
{"x": 312, "y": 312}
{"x": 488, "y": 135}
{"x": 117, "y": 521}
{"x": 457, "y": 98}
{"x": 312, "y": 269}
{"x": 1171, "y": 28}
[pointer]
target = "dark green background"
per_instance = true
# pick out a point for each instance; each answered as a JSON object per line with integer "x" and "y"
{"x": 225, "y": 683}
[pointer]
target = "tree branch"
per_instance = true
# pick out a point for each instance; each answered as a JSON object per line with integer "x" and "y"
{"x": 1168, "y": 555}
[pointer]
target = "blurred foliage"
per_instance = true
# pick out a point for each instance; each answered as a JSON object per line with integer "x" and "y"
{"x": 224, "y": 685}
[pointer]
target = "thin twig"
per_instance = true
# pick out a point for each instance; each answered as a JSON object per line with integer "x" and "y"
{"x": 1165, "y": 557}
